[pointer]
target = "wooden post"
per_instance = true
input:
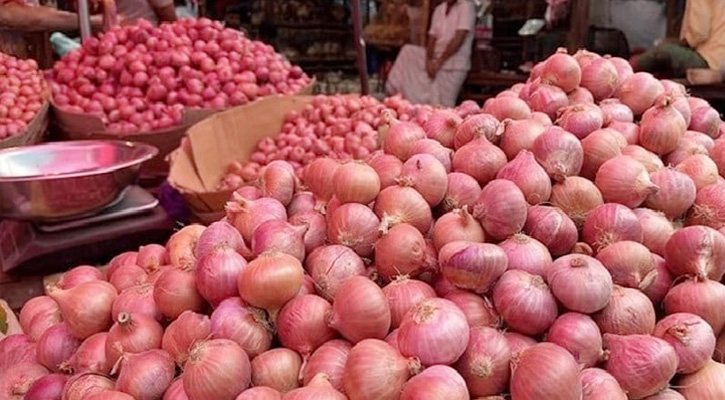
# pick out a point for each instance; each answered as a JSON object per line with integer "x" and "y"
{"x": 362, "y": 64}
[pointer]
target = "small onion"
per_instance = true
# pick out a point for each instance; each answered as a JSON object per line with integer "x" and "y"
{"x": 479, "y": 310}
{"x": 519, "y": 135}
{"x": 690, "y": 336}
{"x": 525, "y": 302}
{"x": 302, "y": 324}
{"x": 578, "y": 334}
{"x": 438, "y": 381}
{"x": 526, "y": 253}
{"x": 355, "y": 226}
{"x": 581, "y": 283}
{"x": 700, "y": 297}
{"x": 642, "y": 364}
{"x": 277, "y": 369}
{"x": 576, "y": 196}
{"x": 552, "y": 227}
{"x": 676, "y": 195}
{"x": 629, "y": 312}
{"x": 485, "y": 363}
{"x": 611, "y": 223}
{"x": 458, "y": 224}
{"x": 147, "y": 375}
{"x": 471, "y": 265}
{"x": 329, "y": 359}
{"x": 360, "y": 310}
{"x": 217, "y": 369}
{"x": 708, "y": 208}
{"x": 330, "y": 266}
{"x": 706, "y": 383}
{"x": 598, "y": 384}
{"x": 404, "y": 294}
{"x": 529, "y": 176}
{"x": 480, "y": 159}
{"x": 630, "y": 264}
{"x": 463, "y": 190}
{"x": 375, "y": 370}
{"x": 599, "y": 147}
{"x": 501, "y": 209}
{"x": 356, "y": 182}
{"x": 559, "y": 152}
{"x": 247, "y": 326}
{"x": 183, "y": 332}
{"x": 402, "y": 251}
{"x": 270, "y": 280}
{"x": 624, "y": 180}
{"x": 400, "y": 204}
{"x": 656, "y": 229}
{"x": 696, "y": 250}
{"x": 545, "y": 372}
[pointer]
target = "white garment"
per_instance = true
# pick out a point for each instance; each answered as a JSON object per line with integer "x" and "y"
{"x": 409, "y": 78}
{"x": 130, "y": 11}
{"x": 461, "y": 17}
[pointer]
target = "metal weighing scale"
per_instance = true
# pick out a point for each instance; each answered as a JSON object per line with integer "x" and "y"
{"x": 44, "y": 248}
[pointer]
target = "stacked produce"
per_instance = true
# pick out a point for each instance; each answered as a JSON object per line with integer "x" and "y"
{"x": 140, "y": 78}
{"x": 23, "y": 91}
{"x": 490, "y": 255}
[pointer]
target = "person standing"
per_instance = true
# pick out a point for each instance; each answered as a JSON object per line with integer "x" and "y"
{"x": 435, "y": 74}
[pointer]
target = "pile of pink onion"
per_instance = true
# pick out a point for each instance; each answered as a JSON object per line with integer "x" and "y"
{"x": 22, "y": 93}
{"x": 490, "y": 256}
{"x": 140, "y": 78}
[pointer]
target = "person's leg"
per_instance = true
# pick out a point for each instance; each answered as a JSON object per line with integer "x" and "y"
{"x": 447, "y": 85}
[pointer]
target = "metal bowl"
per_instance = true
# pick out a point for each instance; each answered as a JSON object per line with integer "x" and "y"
{"x": 65, "y": 180}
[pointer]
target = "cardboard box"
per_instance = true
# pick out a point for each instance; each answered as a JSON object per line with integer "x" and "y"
{"x": 198, "y": 165}
{"x": 37, "y": 128}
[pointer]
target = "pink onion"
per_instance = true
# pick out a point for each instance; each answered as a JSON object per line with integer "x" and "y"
{"x": 138, "y": 299}
{"x": 375, "y": 370}
{"x": 599, "y": 147}
{"x": 656, "y": 229}
{"x": 16, "y": 381}
{"x": 508, "y": 108}
{"x": 219, "y": 234}
{"x": 216, "y": 369}
{"x": 579, "y": 335}
{"x": 598, "y": 384}
{"x": 329, "y": 359}
{"x": 302, "y": 324}
{"x": 610, "y": 223}
{"x": 662, "y": 128}
{"x": 456, "y": 225}
{"x": 548, "y": 99}
{"x": 463, "y": 190}
{"x": 624, "y": 180}
{"x": 576, "y": 196}
{"x": 356, "y": 182}
{"x": 581, "y": 283}
{"x": 581, "y": 119}
{"x": 708, "y": 208}
{"x": 147, "y": 375}
{"x": 706, "y": 120}
{"x": 480, "y": 159}
{"x": 629, "y": 312}
{"x": 91, "y": 355}
{"x": 471, "y": 265}
{"x": 642, "y": 364}
{"x": 442, "y": 126}
{"x": 525, "y": 302}
{"x": 427, "y": 175}
{"x": 529, "y": 176}
{"x": 690, "y": 336}
{"x": 246, "y": 215}
{"x": 181, "y": 245}
{"x": 600, "y": 76}
{"x": 402, "y": 251}
{"x": 16, "y": 349}
{"x": 474, "y": 127}
{"x": 479, "y": 310}
{"x": 38, "y": 314}
{"x": 151, "y": 257}
{"x": 319, "y": 175}
{"x": 518, "y": 342}
{"x": 248, "y": 327}
{"x": 433, "y": 148}
{"x": 485, "y": 363}
{"x": 699, "y": 297}
{"x": 629, "y": 130}
{"x": 404, "y": 294}
{"x": 501, "y": 209}
{"x": 49, "y": 387}
{"x": 545, "y": 372}
{"x": 270, "y": 281}
{"x": 56, "y": 347}
{"x": 552, "y": 227}
{"x": 435, "y": 382}
{"x": 400, "y": 137}
{"x": 559, "y": 152}
{"x": 132, "y": 333}
{"x": 676, "y": 192}
{"x": 277, "y": 369}
{"x": 330, "y": 266}
{"x": 613, "y": 110}
{"x": 259, "y": 393}
{"x": 562, "y": 70}
{"x": 519, "y": 135}
{"x": 658, "y": 289}
{"x": 630, "y": 264}
{"x": 86, "y": 308}
{"x": 78, "y": 275}
{"x": 185, "y": 331}
{"x": 640, "y": 91}
{"x": 273, "y": 235}
{"x": 703, "y": 384}
{"x": 696, "y": 250}
{"x": 175, "y": 292}
{"x": 316, "y": 225}
{"x": 360, "y": 310}
{"x": 527, "y": 254}
{"x": 82, "y": 386}
{"x": 355, "y": 226}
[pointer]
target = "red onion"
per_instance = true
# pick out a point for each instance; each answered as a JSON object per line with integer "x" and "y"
{"x": 629, "y": 130}
{"x": 562, "y": 70}
{"x": 436, "y": 382}
{"x": 676, "y": 194}
{"x": 404, "y": 294}
{"x": 640, "y": 91}
{"x": 360, "y": 310}
{"x": 611, "y": 223}
{"x": 485, "y": 363}
{"x": 519, "y": 135}
{"x": 691, "y": 337}
{"x": 38, "y": 314}
{"x": 642, "y": 364}
{"x": 696, "y": 250}
{"x": 132, "y": 333}
{"x": 629, "y": 312}
{"x": 277, "y": 180}
{"x": 579, "y": 335}
{"x": 330, "y": 266}
{"x": 624, "y": 180}
{"x": 559, "y": 152}
{"x": 277, "y": 369}
{"x": 329, "y": 359}
{"x": 474, "y": 127}
{"x": 49, "y": 387}
{"x": 355, "y": 226}
{"x": 442, "y": 126}
{"x": 600, "y": 77}
{"x": 576, "y": 196}
{"x": 580, "y": 283}
{"x": 518, "y": 342}
{"x": 91, "y": 355}
{"x": 175, "y": 292}
{"x": 302, "y": 324}
{"x": 400, "y": 137}
{"x": 501, "y": 209}
{"x": 599, "y": 147}
{"x": 658, "y": 289}
{"x": 613, "y": 110}
{"x": 435, "y": 331}
{"x": 401, "y": 251}
{"x": 630, "y": 264}
{"x": 316, "y": 225}
{"x": 650, "y": 160}
{"x": 356, "y": 182}
{"x": 82, "y": 386}
{"x": 147, "y": 375}
{"x": 375, "y": 370}
{"x": 552, "y": 227}
{"x": 480, "y": 159}
{"x": 259, "y": 393}
{"x": 16, "y": 349}
{"x": 151, "y": 257}
{"x": 138, "y": 299}
{"x": 548, "y": 99}
{"x": 319, "y": 388}
{"x": 246, "y": 326}
{"x": 580, "y": 96}
{"x": 127, "y": 276}
{"x": 435, "y": 149}
{"x": 479, "y": 310}
{"x": 527, "y": 254}
{"x": 545, "y": 372}
{"x": 708, "y": 208}
{"x": 185, "y": 331}
{"x": 219, "y": 234}
{"x": 181, "y": 246}
{"x": 386, "y": 165}
{"x": 507, "y": 108}
{"x": 473, "y": 266}
{"x": 700, "y": 297}
{"x": 525, "y": 302}
{"x": 656, "y": 229}
{"x": 701, "y": 168}
{"x": 80, "y": 274}
{"x": 463, "y": 190}
{"x": 598, "y": 384}
{"x": 246, "y": 215}
{"x": 16, "y": 381}
{"x": 271, "y": 280}
{"x": 706, "y": 120}
{"x": 319, "y": 177}
{"x": 217, "y": 369}
{"x": 56, "y": 347}
{"x": 703, "y": 384}
{"x": 529, "y": 176}
{"x": 176, "y": 391}
{"x": 687, "y": 147}
{"x": 624, "y": 68}
{"x": 270, "y": 236}
{"x": 457, "y": 225}
{"x": 427, "y": 175}
{"x": 581, "y": 119}
{"x": 301, "y": 202}
{"x": 86, "y": 308}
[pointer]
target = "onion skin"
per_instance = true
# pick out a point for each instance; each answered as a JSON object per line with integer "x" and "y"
{"x": 707, "y": 383}
{"x": 624, "y": 180}
{"x": 610, "y": 223}
{"x": 501, "y": 208}
{"x": 356, "y": 182}
{"x": 708, "y": 208}
{"x": 401, "y": 251}
{"x": 599, "y": 147}
{"x": 319, "y": 177}
{"x": 404, "y": 294}
{"x": 598, "y": 384}
{"x": 662, "y": 283}
{"x": 38, "y": 314}
{"x": 138, "y": 299}
{"x": 277, "y": 369}
{"x": 56, "y": 347}
{"x": 132, "y": 333}
{"x": 216, "y": 274}
{"x": 479, "y": 159}
{"x": 485, "y": 363}
{"x": 471, "y": 265}
{"x": 49, "y": 387}
{"x": 579, "y": 335}
{"x": 676, "y": 195}
{"x": 629, "y": 312}
{"x": 81, "y": 386}
{"x": 91, "y": 355}
{"x": 545, "y": 372}
{"x": 181, "y": 244}
{"x": 529, "y": 176}
{"x": 581, "y": 283}
{"x": 182, "y": 333}
{"x": 16, "y": 349}
{"x": 269, "y": 281}
{"x": 401, "y": 204}
{"x": 330, "y": 266}
{"x": 330, "y": 359}
{"x": 662, "y": 127}
{"x": 691, "y": 337}
{"x": 302, "y": 324}
{"x": 355, "y": 226}
{"x": 525, "y": 302}
{"x": 559, "y": 152}
{"x": 246, "y": 326}
{"x": 463, "y": 190}
{"x": 147, "y": 375}
{"x": 526, "y": 253}
{"x": 213, "y": 362}
{"x": 699, "y": 297}
{"x": 630, "y": 264}
{"x": 650, "y": 160}
{"x": 438, "y": 381}
{"x": 175, "y": 292}
{"x": 519, "y": 135}
{"x": 427, "y": 175}
{"x": 475, "y": 126}
{"x": 552, "y": 227}
{"x": 698, "y": 251}
{"x": 576, "y": 196}
{"x": 86, "y": 308}
{"x": 376, "y": 371}
{"x": 80, "y": 274}
{"x": 642, "y": 364}
{"x": 360, "y": 311}
{"x": 456, "y": 225}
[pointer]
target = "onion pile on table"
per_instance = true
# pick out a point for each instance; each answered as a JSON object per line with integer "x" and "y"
{"x": 140, "y": 78}
{"x": 22, "y": 94}
{"x": 491, "y": 255}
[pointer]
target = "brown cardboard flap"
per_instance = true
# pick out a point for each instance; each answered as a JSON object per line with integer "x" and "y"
{"x": 233, "y": 135}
